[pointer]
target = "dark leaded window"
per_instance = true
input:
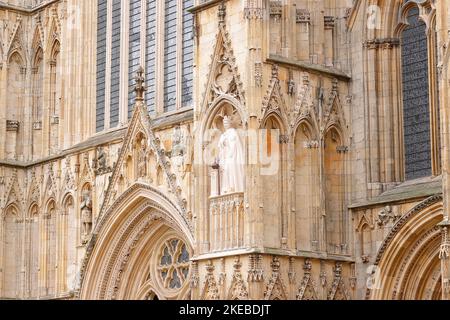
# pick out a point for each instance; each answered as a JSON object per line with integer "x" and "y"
{"x": 416, "y": 112}
{"x": 170, "y": 55}
{"x": 115, "y": 62}
{"x": 188, "y": 53}
{"x": 135, "y": 44}
{"x": 151, "y": 55}
{"x": 101, "y": 64}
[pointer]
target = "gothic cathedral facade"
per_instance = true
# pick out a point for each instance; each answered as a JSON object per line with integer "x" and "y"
{"x": 117, "y": 118}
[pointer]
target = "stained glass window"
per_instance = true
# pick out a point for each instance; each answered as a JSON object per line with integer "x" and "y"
{"x": 174, "y": 264}
{"x": 416, "y": 112}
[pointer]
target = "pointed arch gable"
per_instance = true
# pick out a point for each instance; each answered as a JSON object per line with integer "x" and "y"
{"x": 141, "y": 124}
{"x": 218, "y": 103}
{"x": 142, "y": 209}
{"x": 15, "y": 42}
{"x": 17, "y": 55}
{"x": 53, "y": 33}
{"x": 37, "y": 39}
{"x": 223, "y": 55}
{"x": 335, "y": 118}
{"x": 13, "y": 209}
{"x": 274, "y": 102}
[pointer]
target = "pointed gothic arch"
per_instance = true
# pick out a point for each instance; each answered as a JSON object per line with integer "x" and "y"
{"x": 336, "y": 223}
{"x": 132, "y": 228}
{"x": 306, "y": 196}
{"x": 11, "y": 237}
{"x": 408, "y": 257}
{"x": 33, "y": 245}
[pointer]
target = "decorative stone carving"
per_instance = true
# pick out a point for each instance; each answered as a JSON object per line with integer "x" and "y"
{"x": 35, "y": 194}
{"x": 275, "y": 289}
{"x": 291, "y": 86}
{"x": 302, "y": 16}
{"x": 329, "y": 22}
{"x": 100, "y": 163}
{"x": 253, "y": 9}
{"x": 142, "y": 158}
{"x": 342, "y": 149}
{"x": 210, "y": 289}
{"x": 307, "y": 290}
{"x": 12, "y": 125}
{"x": 227, "y": 213}
{"x": 255, "y": 270}
{"x": 258, "y": 74}
{"x": 222, "y": 13}
{"x": 178, "y": 143}
{"x": 223, "y": 273}
{"x": 273, "y": 101}
{"x": 353, "y": 279}
{"x": 238, "y": 290}
{"x": 323, "y": 274}
{"x": 231, "y": 160}
{"x": 54, "y": 119}
{"x": 223, "y": 62}
{"x": 86, "y": 214}
{"x": 291, "y": 273}
{"x": 386, "y": 215}
{"x": 37, "y": 125}
{"x": 338, "y": 291}
{"x": 195, "y": 278}
{"x": 140, "y": 86}
{"x": 275, "y": 9}
{"x": 383, "y": 43}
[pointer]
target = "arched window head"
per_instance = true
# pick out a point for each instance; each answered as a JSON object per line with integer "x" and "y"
{"x": 416, "y": 97}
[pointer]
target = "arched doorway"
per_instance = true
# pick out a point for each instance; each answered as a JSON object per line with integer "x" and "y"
{"x": 141, "y": 250}
{"x": 408, "y": 265}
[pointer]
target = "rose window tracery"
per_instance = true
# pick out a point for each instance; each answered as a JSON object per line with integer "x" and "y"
{"x": 173, "y": 266}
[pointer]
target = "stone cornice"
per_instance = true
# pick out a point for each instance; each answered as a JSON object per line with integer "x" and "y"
{"x": 111, "y": 137}
{"x": 205, "y": 5}
{"x": 313, "y": 68}
{"x": 404, "y": 194}
{"x": 27, "y": 10}
{"x": 273, "y": 252}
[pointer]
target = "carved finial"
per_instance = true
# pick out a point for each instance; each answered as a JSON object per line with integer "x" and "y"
{"x": 275, "y": 264}
{"x": 307, "y": 266}
{"x": 274, "y": 71}
{"x": 222, "y": 13}
{"x": 338, "y": 270}
{"x": 335, "y": 84}
{"x": 140, "y": 84}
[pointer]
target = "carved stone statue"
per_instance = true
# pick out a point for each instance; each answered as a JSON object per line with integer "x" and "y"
{"x": 142, "y": 159}
{"x": 178, "y": 146}
{"x": 101, "y": 159}
{"x": 86, "y": 214}
{"x": 231, "y": 160}
{"x": 100, "y": 163}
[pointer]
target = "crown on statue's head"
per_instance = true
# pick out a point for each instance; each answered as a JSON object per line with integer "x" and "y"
{"x": 227, "y": 119}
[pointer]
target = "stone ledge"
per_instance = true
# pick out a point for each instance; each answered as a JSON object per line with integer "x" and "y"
{"x": 115, "y": 135}
{"x": 405, "y": 192}
{"x": 26, "y": 10}
{"x": 205, "y": 5}
{"x": 313, "y": 68}
{"x": 273, "y": 251}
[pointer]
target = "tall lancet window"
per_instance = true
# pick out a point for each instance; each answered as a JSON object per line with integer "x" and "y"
{"x": 416, "y": 98}
{"x": 188, "y": 53}
{"x": 170, "y": 55}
